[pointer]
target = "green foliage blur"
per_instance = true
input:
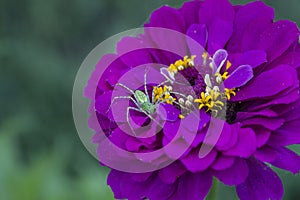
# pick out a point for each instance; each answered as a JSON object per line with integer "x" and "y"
{"x": 42, "y": 44}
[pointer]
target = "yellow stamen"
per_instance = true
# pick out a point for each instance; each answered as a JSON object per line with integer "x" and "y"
{"x": 182, "y": 64}
{"x": 229, "y": 92}
{"x": 228, "y": 65}
{"x": 163, "y": 94}
{"x": 224, "y": 76}
{"x": 204, "y": 56}
{"x": 204, "y": 101}
{"x": 181, "y": 116}
{"x": 212, "y": 101}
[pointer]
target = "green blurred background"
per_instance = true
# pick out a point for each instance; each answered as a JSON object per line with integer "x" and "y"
{"x": 42, "y": 44}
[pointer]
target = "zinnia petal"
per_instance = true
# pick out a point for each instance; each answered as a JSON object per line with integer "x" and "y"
{"x": 262, "y": 183}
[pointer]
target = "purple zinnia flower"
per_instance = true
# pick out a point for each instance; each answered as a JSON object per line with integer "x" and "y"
{"x": 243, "y": 84}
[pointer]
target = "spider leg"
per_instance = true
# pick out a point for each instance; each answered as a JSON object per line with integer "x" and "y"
{"x": 127, "y": 118}
{"x": 138, "y": 110}
{"x": 152, "y": 98}
{"x": 132, "y": 92}
{"x": 145, "y": 84}
{"x": 162, "y": 83}
{"x": 122, "y": 97}
{"x": 170, "y": 81}
{"x": 125, "y": 87}
{"x": 159, "y": 98}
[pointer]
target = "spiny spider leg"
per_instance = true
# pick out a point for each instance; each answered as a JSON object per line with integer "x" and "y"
{"x": 127, "y": 88}
{"x": 152, "y": 98}
{"x": 122, "y": 97}
{"x": 138, "y": 110}
{"x": 127, "y": 117}
{"x": 159, "y": 98}
{"x": 162, "y": 83}
{"x": 168, "y": 81}
{"x": 145, "y": 84}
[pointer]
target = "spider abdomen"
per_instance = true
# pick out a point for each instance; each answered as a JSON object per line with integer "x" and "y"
{"x": 148, "y": 107}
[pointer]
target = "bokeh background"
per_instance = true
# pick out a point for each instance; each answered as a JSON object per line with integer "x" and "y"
{"x": 42, "y": 44}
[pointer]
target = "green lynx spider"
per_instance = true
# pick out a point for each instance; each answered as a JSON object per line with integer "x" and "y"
{"x": 142, "y": 101}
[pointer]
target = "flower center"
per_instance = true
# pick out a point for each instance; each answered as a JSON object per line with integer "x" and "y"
{"x": 231, "y": 111}
{"x": 214, "y": 98}
{"x": 214, "y": 91}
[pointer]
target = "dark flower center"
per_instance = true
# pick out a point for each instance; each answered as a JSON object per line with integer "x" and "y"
{"x": 231, "y": 111}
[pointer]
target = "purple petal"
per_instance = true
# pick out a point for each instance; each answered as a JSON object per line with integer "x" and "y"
{"x": 289, "y": 58}
{"x": 189, "y": 11}
{"x": 132, "y": 51}
{"x": 265, "y": 154}
{"x": 193, "y": 186}
{"x": 219, "y": 58}
{"x": 199, "y": 138}
{"x": 262, "y": 183}
{"x": 253, "y": 31}
{"x": 124, "y": 186}
{"x": 223, "y": 162}
{"x": 98, "y": 138}
{"x": 228, "y": 137}
{"x": 158, "y": 189}
{"x": 167, "y": 17}
{"x": 290, "y": 112}
{"x": 246, "y": 144}
{"x": 194, "y": 164}
{"x": 263, "y": 113}
{"x": 109, "y": 70}
{"x": 254, "y": 58}
{"x": 140, "y": 177}
{"x": 287, "y": 134}
{"x": 113, "y": 180}
{"x": 239, "y": 77}
{"x": 170, "y": 173}
{"x": 234, "y": 175}
{"x": 262, "y": 136}
{"x": 168, "y": 112}
{"x": 160, "y": 53}
{"x": 172, "y": 22}
{"x": 170, "y": 130}
{"x": 277, "y": 38}
{"x": 193, "y": 124}
{"x": 135, "y": 145}
{"x": 197, "y": 32}
{"x": 269, "y": 123}
{"x": 245, "y": 15}
{"x": 166, "y": 50}
{"x": 219, "y": 33}
{"x": 196, "y": 121}
{"x": 178, "y": 148}
{"x": 266, "y": 84}
{"x": 287, "y": 159}
{"x": 101, "y": 123}
{"x": 103, "y": 102}
{"x": 119, "y": 137}
{"x": 284, "y": 98}
{"x": 215, "y": 8}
